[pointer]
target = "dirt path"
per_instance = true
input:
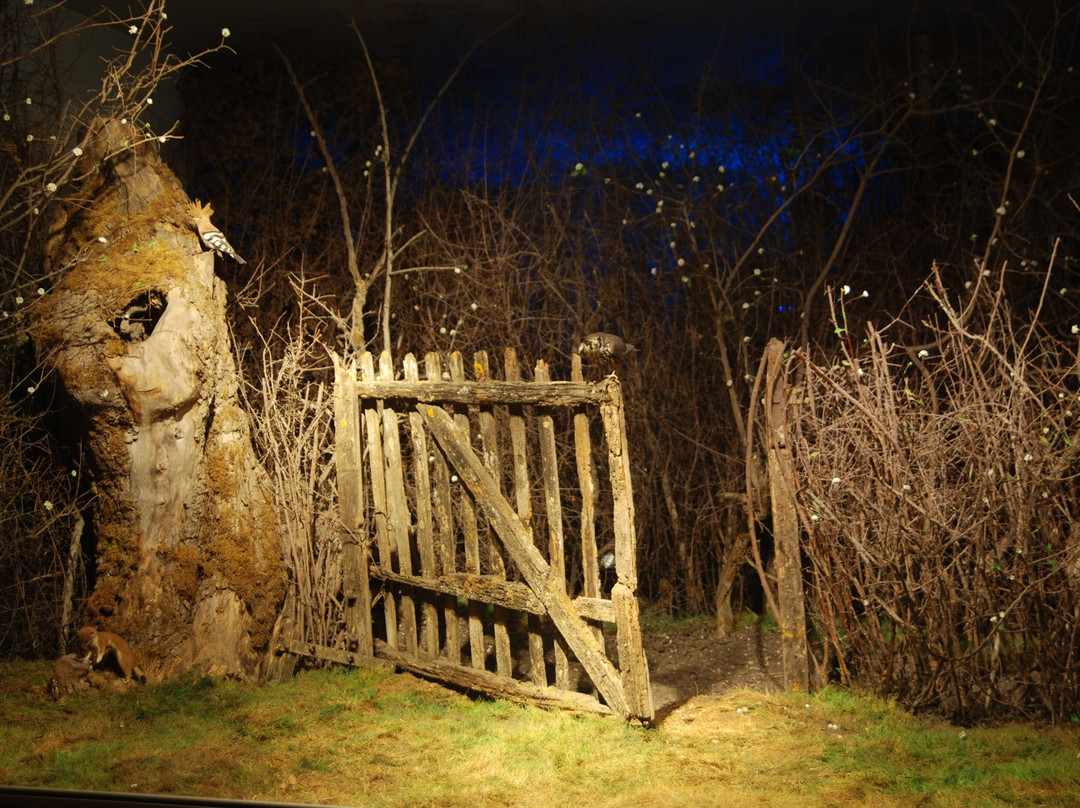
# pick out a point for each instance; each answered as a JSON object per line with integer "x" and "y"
{"x": 694, "y": 662}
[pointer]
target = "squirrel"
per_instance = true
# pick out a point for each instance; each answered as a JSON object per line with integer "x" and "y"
{"x": 99, "y": 644}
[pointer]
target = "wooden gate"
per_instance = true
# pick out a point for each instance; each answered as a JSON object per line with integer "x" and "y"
{"x": 486, "y": 549}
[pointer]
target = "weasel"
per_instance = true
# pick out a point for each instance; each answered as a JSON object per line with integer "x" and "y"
{"x": 99, "y": 644}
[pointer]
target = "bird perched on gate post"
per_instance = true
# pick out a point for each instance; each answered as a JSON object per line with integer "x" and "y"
{"x": 212, "y": 237}
{"x": 604, "y": 349}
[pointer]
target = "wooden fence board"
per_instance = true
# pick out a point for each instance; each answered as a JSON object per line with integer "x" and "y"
{"x": 549, "y": 466}
{"x": 377, "y": 475}
{"x": 489, "y": 445}
{"x": 356, "y": 590}
{"x": 444, "y": 526}
{"x": 470, "y": 531}
{"x": 424, "y": 518}
{"x": 523, "y": 506}
{"x": 397, "y": 508}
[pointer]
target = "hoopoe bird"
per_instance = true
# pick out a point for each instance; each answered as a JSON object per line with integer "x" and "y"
{"x": 212, "y": 237}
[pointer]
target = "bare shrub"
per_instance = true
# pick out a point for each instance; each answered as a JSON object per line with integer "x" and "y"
{"x": 939, "y": 498}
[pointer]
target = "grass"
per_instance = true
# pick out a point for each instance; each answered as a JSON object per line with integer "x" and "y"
{"x": 372, "y": 738}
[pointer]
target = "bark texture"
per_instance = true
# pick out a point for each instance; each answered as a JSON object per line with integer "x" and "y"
{"x": 188, "y": 558}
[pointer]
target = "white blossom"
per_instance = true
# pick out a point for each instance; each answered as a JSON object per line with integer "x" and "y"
{"x": 225, "y": 33}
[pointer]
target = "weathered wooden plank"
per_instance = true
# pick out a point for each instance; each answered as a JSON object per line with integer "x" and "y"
{"x": 622, "y": 495}
{"x": 444, "y": 525}
{"x": 348, "y": 464}
{"x": 587, "y": 483}
{"x": 523, "y": 503}
{"x": 494, "y": 685}
{"x": 494, "y": 391}
{"x": 785, "y": 523}
{"x": 376, "y": 467}
{"x": 628, "y": 630}
{"x": 489, "y": 445}
{"x": 485, "y": 588}
{"x": 470, "y": 532}
{"x": 398, "y": 505}
{"x": 425, "y": 542}
{"x": 526, "y": 557}
{"x": 635, "y": 669}
{"x": 549, "y": 472}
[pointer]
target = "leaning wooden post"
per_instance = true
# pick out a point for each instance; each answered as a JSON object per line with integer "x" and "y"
{"x": 350, "y": 484}
{"x": 785, "y": 523}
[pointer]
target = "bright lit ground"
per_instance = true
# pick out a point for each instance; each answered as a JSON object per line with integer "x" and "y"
{"x": 374, "y": 738}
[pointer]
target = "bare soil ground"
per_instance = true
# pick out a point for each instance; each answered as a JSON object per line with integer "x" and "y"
{"x": 694, "y": 661}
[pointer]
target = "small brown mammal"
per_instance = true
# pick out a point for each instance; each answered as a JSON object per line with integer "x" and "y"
{"x": 99, "y": 644}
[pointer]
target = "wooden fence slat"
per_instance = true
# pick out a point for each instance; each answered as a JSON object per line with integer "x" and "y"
{"x": 589, "y": 490}
{"x": 397, "y": 504}
{"x": 424, "y": 520}
{"x": 528, "y": 559}
{"x": 489, "y": 444}
{"x": 376, "y": 468}
{"x": 348, "y": 465}
{"x": 523, "y": 502}
{"x": 549, "y": 470}
{"x": 470, "y": 532}
{"x": 444, "y": 526}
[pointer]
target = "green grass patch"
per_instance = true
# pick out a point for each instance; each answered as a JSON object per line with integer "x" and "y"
{"x": 367, "y": 737}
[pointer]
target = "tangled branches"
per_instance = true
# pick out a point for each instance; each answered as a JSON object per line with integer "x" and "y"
{"x": 939, "y": 499}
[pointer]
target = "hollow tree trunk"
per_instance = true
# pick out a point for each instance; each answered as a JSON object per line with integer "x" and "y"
{"x": 188, "y": 559}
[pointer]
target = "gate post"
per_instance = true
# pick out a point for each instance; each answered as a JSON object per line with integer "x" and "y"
{"x": 785, "y": 522}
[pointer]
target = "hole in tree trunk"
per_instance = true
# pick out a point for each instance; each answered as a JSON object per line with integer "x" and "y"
{"x": 139, "y": 317}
